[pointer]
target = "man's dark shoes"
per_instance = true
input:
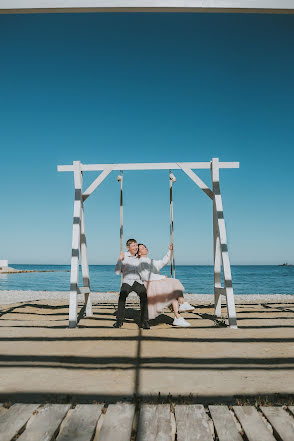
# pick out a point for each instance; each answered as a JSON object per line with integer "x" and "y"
{"x": 117, "y": 324}
{"x": 145, "y": 325}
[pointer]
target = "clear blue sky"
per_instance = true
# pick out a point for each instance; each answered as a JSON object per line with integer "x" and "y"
{"x": 104, "y": 88}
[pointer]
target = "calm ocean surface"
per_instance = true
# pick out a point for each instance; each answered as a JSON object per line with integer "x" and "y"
{"x": 247, "y": 279}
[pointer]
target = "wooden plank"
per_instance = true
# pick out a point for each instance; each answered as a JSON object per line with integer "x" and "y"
{"x": 221, "y": 230}
{"x": 81, "y": 424}
{"x": 96, "y": 183}
{"x": 228, "y": 6}
{"x": 197, "y": 181}
{"x": 147, "y": 166}
{"x": 217, "y": 267}
{"x": 224, "y": 424}
{"x": 117, "y": 423}
{"x": 45, "y": 424}
{"x": 253, "y": 424}
{"x": 282, "y": 422}
{"x": 14, "y": 419}
{"x": 192, "y": 423}
{"x": 220, "y": 291}
{"x": 76, "y": 236}
{"x": 85, "y": 266}
{"x": 154, "y": 423}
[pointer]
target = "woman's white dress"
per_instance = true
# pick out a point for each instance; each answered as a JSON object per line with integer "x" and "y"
{"x": 161, "y": 291}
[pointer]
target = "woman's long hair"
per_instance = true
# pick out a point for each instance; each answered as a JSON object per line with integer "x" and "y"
{"x": 138, "y": 255}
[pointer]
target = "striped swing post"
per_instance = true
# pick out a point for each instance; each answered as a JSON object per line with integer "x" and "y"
{"x": 121, "y": 215}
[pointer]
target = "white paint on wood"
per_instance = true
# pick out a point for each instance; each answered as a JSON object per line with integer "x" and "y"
{"x": 224, "y": 424}
{"x": 217, "y": 267}
{"x": 252, "y": 424}
{"x": 76, "y": 235}
{"x": 147, "y": 166}
{"x": 281, "y": 421}
{"x": 14, "y": 419}
{"x": 153, "y": 5}
{"x": 45, "y": 423}
{"x": 96, "y": 183}
{"x": 85, "y": 266}
{"x": 221, "y": 234}
{"x": 220, "y": 291}
{"x": 192, "y": 423}
{"x": 81, "y": 424}
{"x": 117, "y": 423}
{"x": 197, "y": 181}
{"x": 154, "y": 423}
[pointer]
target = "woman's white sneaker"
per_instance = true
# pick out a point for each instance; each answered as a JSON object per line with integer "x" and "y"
{"x": 181, "y": 322}
{"x": 186, "y": 307}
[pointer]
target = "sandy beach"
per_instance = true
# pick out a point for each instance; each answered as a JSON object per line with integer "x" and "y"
{"x": 13, "y": 296}
{"x": 42, "y": 359}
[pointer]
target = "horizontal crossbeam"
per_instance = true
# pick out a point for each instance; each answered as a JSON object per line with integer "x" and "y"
{"x": 147, "y": 166}
{"x": 17, "y": 6}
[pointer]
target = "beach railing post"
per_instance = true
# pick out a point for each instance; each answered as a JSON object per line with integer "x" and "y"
{"x": 75, "y": 254}
{"x": 223, "y": 246}
{"x": 85, "y": 266}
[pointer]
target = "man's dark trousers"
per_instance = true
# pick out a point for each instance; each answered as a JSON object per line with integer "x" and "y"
{"x": 125, "y": 290}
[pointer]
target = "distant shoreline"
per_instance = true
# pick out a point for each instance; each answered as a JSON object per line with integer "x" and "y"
{"x": 10, "y": 270}
{"x": 14, "y": 271}
{"x": 178, "y": 264}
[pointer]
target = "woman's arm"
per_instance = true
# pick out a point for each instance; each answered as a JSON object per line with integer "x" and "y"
{"x": 158, "y": 264}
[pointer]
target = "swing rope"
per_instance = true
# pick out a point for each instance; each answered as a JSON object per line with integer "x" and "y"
{"x": 172, "y": 179}
{"x": 121, "y": 212}
{"x": 121, "y": 217}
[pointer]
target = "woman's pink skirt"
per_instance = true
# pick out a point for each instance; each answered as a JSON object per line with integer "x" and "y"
{"x": 161, "y": 293}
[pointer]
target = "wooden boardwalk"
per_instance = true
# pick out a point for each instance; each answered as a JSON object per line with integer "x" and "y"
{"x": 150, "y": 422}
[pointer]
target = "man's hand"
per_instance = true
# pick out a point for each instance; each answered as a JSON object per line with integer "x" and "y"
{"x": 121, "y": 256}
{"x": 170, "y": 247}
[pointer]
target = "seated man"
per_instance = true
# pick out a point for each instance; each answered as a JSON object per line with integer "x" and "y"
{"x": 127, "y": 264}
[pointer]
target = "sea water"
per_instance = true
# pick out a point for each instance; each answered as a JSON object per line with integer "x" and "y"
{"x": 247, "y": 279}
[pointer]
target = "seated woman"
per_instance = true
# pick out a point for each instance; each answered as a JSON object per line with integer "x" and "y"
{"x": 161, "y": 290}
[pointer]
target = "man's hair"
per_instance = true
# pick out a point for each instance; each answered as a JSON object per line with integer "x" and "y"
{"x": 129, "y": 241}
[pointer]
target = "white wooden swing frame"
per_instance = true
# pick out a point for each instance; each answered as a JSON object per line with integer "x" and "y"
{"x": 79, "y": 244}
